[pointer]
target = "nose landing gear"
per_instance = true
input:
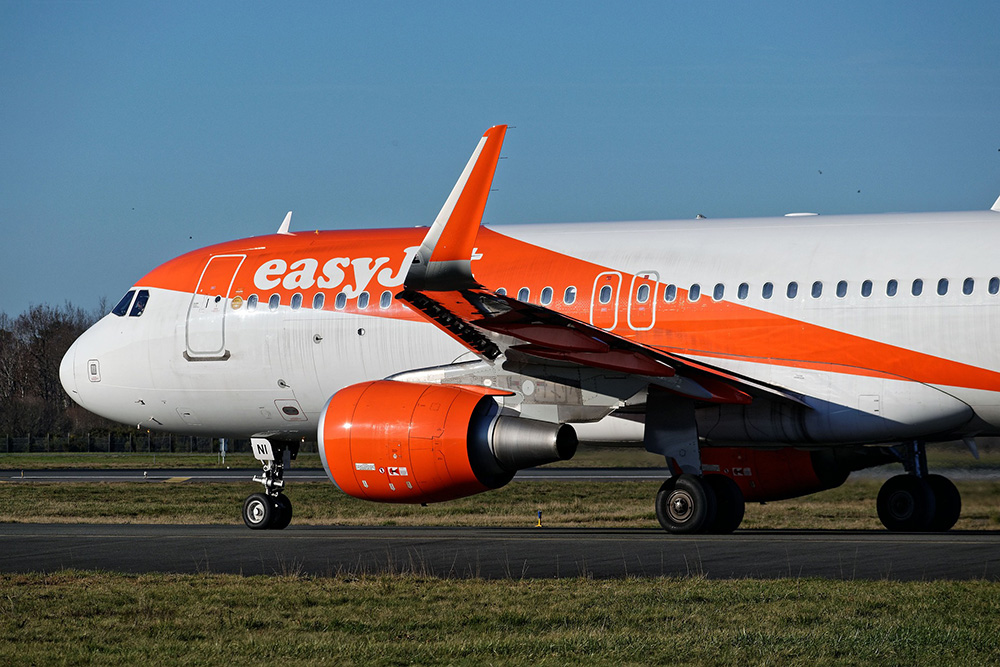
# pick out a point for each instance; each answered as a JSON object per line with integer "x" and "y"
{"x": 271, "y": 509}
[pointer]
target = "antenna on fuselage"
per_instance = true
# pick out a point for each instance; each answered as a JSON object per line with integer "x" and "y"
{"x": 284, "y": 225}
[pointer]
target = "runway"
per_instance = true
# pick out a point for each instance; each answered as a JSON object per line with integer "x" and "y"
{"x": 499, "y": 553}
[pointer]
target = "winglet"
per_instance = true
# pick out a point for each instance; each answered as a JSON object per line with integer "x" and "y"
{"x": 996, "y": 205}
{"x": 284, "y": 225}
{"x": 444, "y": 261}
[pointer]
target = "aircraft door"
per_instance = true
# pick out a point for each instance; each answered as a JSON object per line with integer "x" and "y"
{"x": 642, "y": 301}
{"x": 604, "y": 300}
{"x": 205, "y": 332}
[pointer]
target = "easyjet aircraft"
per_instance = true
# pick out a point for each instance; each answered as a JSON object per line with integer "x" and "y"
{"x": 764, "y": 358}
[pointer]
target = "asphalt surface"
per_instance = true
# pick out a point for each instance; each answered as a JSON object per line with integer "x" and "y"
{"x": 498, "y": 553}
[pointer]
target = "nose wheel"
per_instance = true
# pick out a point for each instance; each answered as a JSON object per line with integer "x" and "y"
{"x": 270, "y": 510}
{"x": 262, "y": 511}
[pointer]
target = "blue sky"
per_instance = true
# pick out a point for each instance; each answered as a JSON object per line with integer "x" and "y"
{"x": 131, "y": 132}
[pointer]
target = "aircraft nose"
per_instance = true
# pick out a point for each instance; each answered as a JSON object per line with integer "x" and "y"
{"x": 67, "y": 371}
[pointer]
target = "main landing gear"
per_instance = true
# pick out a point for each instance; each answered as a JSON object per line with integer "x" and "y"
{"x": 270, "y": 509}
{"x": 918, "y": 501}
{"x": 688, "y": 504}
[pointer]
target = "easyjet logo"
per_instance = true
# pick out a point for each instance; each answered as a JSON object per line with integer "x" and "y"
{"x": 353, "y": 274}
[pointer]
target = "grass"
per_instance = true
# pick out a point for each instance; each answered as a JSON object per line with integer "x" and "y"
{"x": 86, "y": 617}
{"x": 572, "y": 504}
{"x": 938, "y": 457}
{"x": 144, "y": 460}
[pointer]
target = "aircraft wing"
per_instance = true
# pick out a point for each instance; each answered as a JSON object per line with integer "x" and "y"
{"x": 440, "y": 286}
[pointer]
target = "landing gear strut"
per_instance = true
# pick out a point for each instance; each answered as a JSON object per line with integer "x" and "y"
{"x": 270, "y": 509}
{"x": 691, "y": 502}
{"x": 917, "y": 501}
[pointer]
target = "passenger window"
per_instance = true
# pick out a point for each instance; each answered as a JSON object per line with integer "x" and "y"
{"x": 670, "y": 293}
{"x": 252, "y": 302}
{"x": 140, "y": 303}
{"x": 743, "y": 291}
{"x": 767, "y": 290}
{"x": 122, "y": 308}
{"x": 501, "y": 291}
{"x": 942, "y": 287}
{"x": 917, "y": 288}
{"x": 994, "y": 286}
{"x": 318, "y": 300}
{"x": 385, "y": 300}
{"x": 605, "y": 295}
{"x": 642, "y": 295}
{"x": 296, "y": 301}
{"x": 363, "y": 300}
{"x": 524, "y": 294}
{"x": 842, "y": 289}
{"x": 866, "y": 288}
{"x": 817, "y": 289}
{"x": 341, "y": 301}
{"x": 793, "y": 290}
{"x": 569, "y": 296}
{"x": 719, "y": 292}
{"x": 968, "y": 286}
{"x": 546, "y": 297}
{"x": 694, "y": 293}
{"x": 891, "y": 287}
{"x": 274, "y": 301}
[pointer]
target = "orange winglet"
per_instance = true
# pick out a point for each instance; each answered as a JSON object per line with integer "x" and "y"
{"x": 455, "y": 241}
{"x": 444, "y": 260}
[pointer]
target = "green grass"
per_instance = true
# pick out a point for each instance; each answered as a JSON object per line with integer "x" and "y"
{"x": 143, "y": 460}
{"x": 938, "y": 456}
{"x": 573, "y": 504}
{"x": 86, "y": 618}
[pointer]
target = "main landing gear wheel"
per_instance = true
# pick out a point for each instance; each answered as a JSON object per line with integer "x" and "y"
{"x": 685, "y": 505}
{"x": 906, "y": 503}
{"x": 947, "y": 501}
{"x": 265, "y": 512}
{"x": 729, "y": 504}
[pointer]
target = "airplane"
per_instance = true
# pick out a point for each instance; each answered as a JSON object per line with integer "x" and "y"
{"x": 763, "y": 358}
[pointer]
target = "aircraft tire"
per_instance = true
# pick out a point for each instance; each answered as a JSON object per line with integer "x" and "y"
{"x": 283, "y": 512}
{"x": 685, "y": 505}
{"x": 729, "y": 507}
{"x": 258, "y": 511}
{"x": 947, "y": 503}
{"x": 906, "y": 503}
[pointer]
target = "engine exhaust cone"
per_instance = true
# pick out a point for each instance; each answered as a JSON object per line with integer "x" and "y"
{"x": 519, "y": 443}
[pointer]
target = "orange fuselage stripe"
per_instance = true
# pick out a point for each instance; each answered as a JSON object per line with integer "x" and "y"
{"x": 705, "y": 328}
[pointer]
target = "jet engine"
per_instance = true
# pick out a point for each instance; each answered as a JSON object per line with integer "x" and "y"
{"x": 404, "y": 442}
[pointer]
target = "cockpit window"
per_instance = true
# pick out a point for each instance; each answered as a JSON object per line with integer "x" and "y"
{"x": 140, "y": 303}
{"x": 122, "y": 308}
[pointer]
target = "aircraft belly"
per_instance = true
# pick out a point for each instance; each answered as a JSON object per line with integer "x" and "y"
{"x": 840, "y": 408}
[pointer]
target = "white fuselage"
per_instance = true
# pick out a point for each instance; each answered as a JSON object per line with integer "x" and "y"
{"x": 284, "y": 364}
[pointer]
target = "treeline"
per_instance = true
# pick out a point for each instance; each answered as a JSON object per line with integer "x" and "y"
{"x": 32, "y": 345}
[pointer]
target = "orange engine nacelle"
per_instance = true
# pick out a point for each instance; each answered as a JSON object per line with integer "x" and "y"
{"x": 764, "y": 474}
{"x": 402, "y": 442}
